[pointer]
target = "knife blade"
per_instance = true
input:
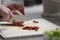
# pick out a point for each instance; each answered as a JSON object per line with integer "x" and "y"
{"x": 20, "y": 18}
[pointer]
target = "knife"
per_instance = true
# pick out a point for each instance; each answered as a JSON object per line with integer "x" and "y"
{"x": 19, "y": 17}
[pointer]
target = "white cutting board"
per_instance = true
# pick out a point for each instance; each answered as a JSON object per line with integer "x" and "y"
{"x": 13, "y": 31}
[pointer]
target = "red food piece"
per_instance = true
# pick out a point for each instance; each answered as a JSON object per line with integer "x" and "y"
{"x": 35, "y": 28}
{"x": 28, "y": 28}
{"x": 31, "y": 28}
{"x": 18, "y": 23}
{"x": 35, "y": 21}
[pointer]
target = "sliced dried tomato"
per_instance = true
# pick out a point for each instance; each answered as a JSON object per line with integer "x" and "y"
{"x": 18, "y": 23}
{"x": 31, "y": 28}
{"x": 35, "y": 28}
{"x": 35, "y": 21}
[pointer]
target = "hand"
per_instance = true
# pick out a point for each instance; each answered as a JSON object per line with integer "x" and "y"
{"x": 5, "y": 13}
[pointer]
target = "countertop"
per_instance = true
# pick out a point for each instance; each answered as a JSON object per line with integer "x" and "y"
{"x": 34, "y": 12}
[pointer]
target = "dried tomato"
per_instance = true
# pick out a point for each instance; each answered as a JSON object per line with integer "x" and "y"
{"x": 35, "y": 21}
{"x": 31, "y": 28}
{"x": 18, "y": 23}
{"x": 35, "y": 28}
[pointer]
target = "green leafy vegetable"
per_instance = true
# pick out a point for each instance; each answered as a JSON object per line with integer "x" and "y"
{"x": 54, "y": 34}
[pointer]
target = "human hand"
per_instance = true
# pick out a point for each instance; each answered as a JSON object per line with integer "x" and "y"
{"x": 5, "y": 13}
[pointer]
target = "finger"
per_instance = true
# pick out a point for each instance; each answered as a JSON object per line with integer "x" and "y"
{"x": 17, "y": 12}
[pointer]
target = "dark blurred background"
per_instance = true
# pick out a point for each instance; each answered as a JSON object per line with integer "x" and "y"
{"x": 32, "y": 2}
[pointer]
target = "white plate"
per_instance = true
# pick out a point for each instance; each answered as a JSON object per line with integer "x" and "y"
{"x": 43, "y": 25}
